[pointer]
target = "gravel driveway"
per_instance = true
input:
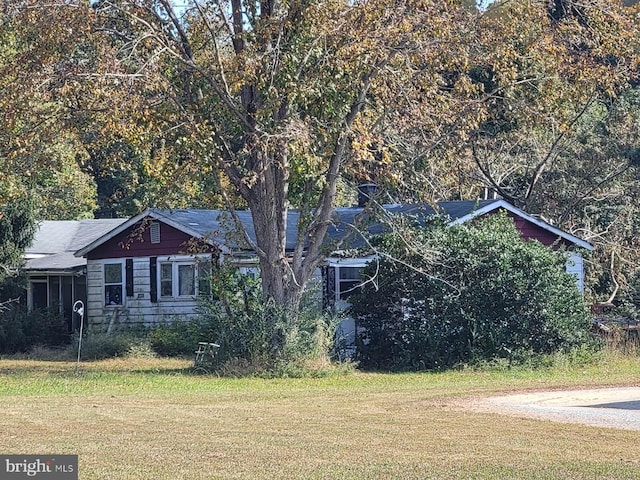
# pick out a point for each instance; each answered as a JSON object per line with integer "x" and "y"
{"x": 606, "y": 407}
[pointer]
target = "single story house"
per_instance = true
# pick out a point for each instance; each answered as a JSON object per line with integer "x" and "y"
{"x": 152, "y": 267}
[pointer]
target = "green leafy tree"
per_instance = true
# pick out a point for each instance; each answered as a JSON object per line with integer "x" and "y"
{"x": 17, "y": 227}
{"x": 447, "y": 295}
{"x": 77, "y": 137}
{"x": 559, "y": 83}
{"x": 38, "y": 155}
{"x": 271, "y": 99}
{"x": 269, "y": 105}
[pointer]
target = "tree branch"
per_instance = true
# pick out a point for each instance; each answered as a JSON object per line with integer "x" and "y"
{"x": 543, "y": 164}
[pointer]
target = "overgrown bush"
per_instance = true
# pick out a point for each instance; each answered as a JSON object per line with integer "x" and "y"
{"x": 21, "y": 330}
{"x": 467, "y": 293}
{"x": 259, "y": 333}
{"x": 176, "y": 338}
{"x": 98, "y": 346}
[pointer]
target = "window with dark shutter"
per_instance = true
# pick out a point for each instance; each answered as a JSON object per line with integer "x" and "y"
{"x": 129, "y": 277}
{"x": 153, "y": 278}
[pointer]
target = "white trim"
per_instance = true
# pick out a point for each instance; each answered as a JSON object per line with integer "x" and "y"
{"x": 516, "y": 211}
{"x": 175, "y": 279}
{"x": 575, "y": 266}
{"x": 123, "y": 281}
{"x": 350, "y": 262}
{"x": 176, "y": 261}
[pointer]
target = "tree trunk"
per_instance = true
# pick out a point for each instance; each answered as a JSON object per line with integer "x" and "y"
{"x": 267, "y": 201}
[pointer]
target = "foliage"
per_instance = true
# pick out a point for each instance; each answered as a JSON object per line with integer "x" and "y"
{"x": 269, "y": 105}
{"x": 17, "y": 227}
{"x": 262, "y": 103}
{"x": 248, "y": 329}
{"x": 76, "y": 139}
{"x": 176, "y": 338}
{"x": 98, "y": 346}
{"x": 557, "y": 137}
{"x": 467, "y": 293}
{"x": 20, "y": 330}
{"x": 38, "y": 153}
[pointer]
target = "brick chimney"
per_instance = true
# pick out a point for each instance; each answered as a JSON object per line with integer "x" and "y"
{"x": 366, "y": 191}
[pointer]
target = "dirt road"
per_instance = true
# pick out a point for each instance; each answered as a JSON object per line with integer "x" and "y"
{"x": 607, "y": 407}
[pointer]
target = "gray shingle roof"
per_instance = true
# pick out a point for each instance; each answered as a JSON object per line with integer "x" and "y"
{"x": 219, "y": 223}
{"x": 56, "y": 241}
{"x": 217, "y": 226}
{"x": 346, "y": 218}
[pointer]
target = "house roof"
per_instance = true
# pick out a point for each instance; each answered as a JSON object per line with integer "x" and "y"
{"x": 347, "y": 218}
{"x": 56, "y": 241}
{"x": 214, "y": 226}
{"x": 456, "y": 212}
{"x": 217, "y": 227}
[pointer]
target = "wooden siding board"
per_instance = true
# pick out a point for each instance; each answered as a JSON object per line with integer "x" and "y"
{"x": 531, "y": 231}
{"x": 138, "y": 309}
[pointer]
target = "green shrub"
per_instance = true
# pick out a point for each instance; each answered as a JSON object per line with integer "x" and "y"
{"x": 468, "y": 293}
{"x": 98, "y": 346}
{"x": 176, "y": 338}
{"x": 20, "y": 330}
{"x": 261, "y": 334}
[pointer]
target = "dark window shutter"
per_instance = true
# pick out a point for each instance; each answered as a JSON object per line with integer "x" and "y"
{"x": 328, "y": 287}
{"x": 153, "y": 278}
{"x": 129, "y": 276}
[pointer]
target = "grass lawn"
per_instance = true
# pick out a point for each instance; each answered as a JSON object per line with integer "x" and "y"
{"x": 151, "y": 419}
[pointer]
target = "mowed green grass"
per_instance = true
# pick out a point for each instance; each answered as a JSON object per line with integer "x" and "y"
{"x": 151, "y": 419}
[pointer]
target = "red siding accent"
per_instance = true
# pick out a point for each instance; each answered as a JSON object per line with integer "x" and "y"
{"x": 530, "y": 230}
{"x": 136, "y": 242}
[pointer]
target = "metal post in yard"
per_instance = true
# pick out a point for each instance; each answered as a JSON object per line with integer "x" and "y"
{"x": 78, "y": 307}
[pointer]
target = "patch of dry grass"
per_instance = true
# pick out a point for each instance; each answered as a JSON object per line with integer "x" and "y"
{"x": 151, "y": 419}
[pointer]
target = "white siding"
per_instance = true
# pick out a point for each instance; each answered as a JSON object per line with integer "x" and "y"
{"x": 575, "y": 266}
{"x": 137, "y": 310}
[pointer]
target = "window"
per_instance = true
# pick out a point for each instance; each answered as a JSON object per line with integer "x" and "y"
{"x": 342, "y": 279}
{"x": 184, "y": 279}
{"x": 39, "y": 295}
{"x": 166, "y": 280}
{"x": 204, "y": 278}
{"x": 349, "y": 281}
{"x": 113, "y": 283}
